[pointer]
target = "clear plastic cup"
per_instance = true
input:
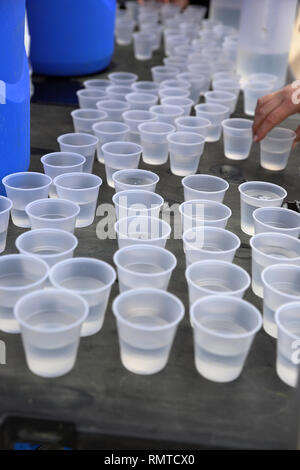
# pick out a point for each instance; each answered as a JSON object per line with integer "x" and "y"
{"x": 122, "y": 78}
{"x": 140, "y": 230}
{"x": 179, "y": 62}
{"x": 83, "y": 189}
{"x": 224, "y": 98}
{"x": 207, "y": 187}
{"x": 193, "y": 124}
{"x": 52, "y": 213}
{"x": 224, "y": 329}
{"x": 142, "y": 266}
{"x": 50, "y": 322}
{"x": 154, "y": 141}
{"x": 20, "y": 274}
{"x": 215, "y": 277}
{"x": 166, "y": 114}
{"x": 172, "y": 41}
{"x": 278, "y": 220}
{"x": 185, "y": 150}
{"x": 5, "y": 208}
{"x": 84, "y": 144}
{"x": 288, "y": 325}
{"x": 123, "y": 31}
{"x": 88, "y": 97}
{"x": 23, "y": 188}
{"x": 252, "y": 92}
{"x": 185, "y": 104}
{"x": 147, "y": 320}
{"x": 183, "y": 84}
{"x": 143, "y": 45}
{"x": 199, "y": 213}
{"x": 57, "y": 163}
{"x": 145, "y": 86}
{"x": 135, "y": 117}
{"x": 216, "y": 114}
{"x": 118, "y": 92}
{"x": 90, "y": 278}
{"x": 141, "y": 101}
{"x": 120, "y": 156}
{"x": 256, "y": 194}
{"x": 207, "y": 243}
{"x": 109, "y": 131}
{"x": 135, "y": 179}
{"x": 267, "y": 78}
{"x": 199, "y": 83}
{"x": 49, "y": 244}
{"x": 137, "y": 202}
{"x": 173, "y": 92}
{"x": 153, "y": 28}
{"x": 233, "y": 86}
{"x": 238, "y": 138}
{"x": 113, "y": 108}
{"x": 162, "y": 72}
{"x": 268, "y": 249}
{"x": 99, "y": 83}
{"x": 83, "y": 119}
{"x": 275, "y": 148}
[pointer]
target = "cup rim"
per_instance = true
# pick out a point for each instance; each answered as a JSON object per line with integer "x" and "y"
{"x": 129, "y": 75}
{"x": 139, "y": 191}
{"x": 235, "y": 120}
{"x": 185, "y": 185}
{"x": 278, "y": 210}
{"x": 122, "y": 124}
{"x": 53, "y": 200}
{"x": 162, "y": 223}
{"x": 278, "y": 320}
{"x": 215, "y": 203}
{"x": 274, "y": 235}
{"x": 9, "y": 204}
{"x": 222, "y": 109}
{"x": 228, "y": 95}
{"x": 22, "y": 173}
{"x": 200, "y": 138}
{"x": 88, "y": 83}
{"x": 161, "y": 125}
{"x": 76, "y": 114}
{"x": 278, "y": 267}
{"x": 149, "y": 116}
{"x": 205, "y": 126}
{"x": 86, "y": 175}
{"x": 177, "y": 110}
{"x": 150, "y": 173}
{"x": 188, "y": 102}
{"x": 30, "y": 233}
{"x": 292, "y": 135}
{"x": 47, "y": 155}
{"x": 262, "y": 183}
{"x": 133, "y": 145}
{"x": 26, "y": 258}
{"x": 148, "y": 98}
{"x": 215, "y": 229}
{"x": 123, "y": 106}
{"x": 83, "y": 92}
{"x": 93, "y": 138}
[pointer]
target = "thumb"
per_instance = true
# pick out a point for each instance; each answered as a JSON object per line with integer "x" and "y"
{"x": 297, "y": 139}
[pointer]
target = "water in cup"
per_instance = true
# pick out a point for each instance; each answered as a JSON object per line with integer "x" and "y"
{"x": 274, "y": 160}
{"x": 247, "y": 222}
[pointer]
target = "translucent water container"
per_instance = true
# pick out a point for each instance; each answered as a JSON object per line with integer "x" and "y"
{"x": 227, "y": 12}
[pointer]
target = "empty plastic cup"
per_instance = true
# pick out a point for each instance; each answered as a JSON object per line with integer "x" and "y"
{"x": 23, "y": 188}
{"x": 99, "y": 83}
{"x": 154, "y": 141}
{"x": 57, "y": 163}
{"x": 198, "y": 213}
{"x": 277, "y": 219}
{"x": 198, "y": 84}
{"x": 143, "y": 44}
{"x": 49, "y": 244}
{"x": 202, "y": 243}
{"x": 215, "y": 113}
{"x": 88, "y": 97}
{"x": 225, "y": 98}
{"x": 205, "y": 187}
{"x": 139, "y": 230}
{"x": 162, "y": 72}
{"x": 172, "y": 83}
{"x": 81, "y": 143}
{"x": 118, "y": 92}
{"x": 193, "y": 124}
{"x": 20, "y": 274}
{"x": 141, "y": 266}
{"x": 147, "y": 320}
{"x": 173, "y": 92}
{"x": 50, "y": 322}
{"x": 83, "y": 119}
{"x": 90, "y": 278}
{"x": 288, "y": 324}
{"x": 185, "y": 150}
{"x": 185, "y": 103}
{"x": 275, "y": 148}
{"x": 141, "y": 101}
{"x": 122, "y": 78}
{"x": 135, "y": 117}
{"x": 167, "y": 114}
{"x": 238, "y": 138}
{"x": 137, "y": 202}
{"x": 113, "y": 108}
{"x": 109, "y": 131}
{"x": 233, "y": 86}
{"x": 252, "y": 92}
{"x": 119, "y": 156}
{"x": 53, "y": 213}
{"x": 83, "y": 189}
{"x": 135, "y": 179}
{"x": 269, "y": 249}
{"x": 153, "y": 28}
{"x": 256, "y": 194}
{"x": 145, "y": 86}
{"x": 5, "y": 208}
{"x": 123, "y": 31}
{"x": 224, "y": 329}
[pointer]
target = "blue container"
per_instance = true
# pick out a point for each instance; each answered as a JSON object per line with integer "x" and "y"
{"x": 71, "y": 37}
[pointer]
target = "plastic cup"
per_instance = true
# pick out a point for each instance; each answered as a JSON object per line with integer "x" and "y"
{"x": 118, "y": 92}
{"x": 155, "y": 29}
{"x": 83, "y": 189}
{"x": 120, "y": 156}
{"x": 147, "y": 320}
{"x": 141, "y": 101}
{"x": 88, "y": 97}
{"x": 122, "y": 78}
{"x": 99, "y": 83}
{"x": 135, "y": 179}
{"x": 224, "y": 98}
{"x": 216, "y": 114}
{"x": 140, "y": 230}
{"x": 57, "y": 163}
{"x": 83, "y": 119}
{"x": 166, "y": 114}
{"x": 207, "y": 243}
{"x": 179, "y": 62}
{"x": 135, "y": 117}
{"x": 252, "y": 92}
{"x": 81, "y": 143}
{"x": 224, "y": 329}
{"x": 49, "y": 244}
{"x": 184, "y": 103}
{"x": 185, "y": 150}
{"x": 207, "y": 187}
{"x": 145, "y": 86}
{"x": 142, "y": 266}
{"x": 137, "y": 202}
{"x": 233, "y": 86}
{"x": 20, "y": 274}
{"x": 199, "y": 213}
{"x": 288, "y": 324}
{"x": 123, "y": 31}
{"x": 162, "y": 72}
{"x": 109, "y": 131}
{"x": 278, "y": 220}
{"x": 193, "y": 124}
{"x": 238, "y": 138}
{"x": 182, "y": 84}
{"x": 23, "y": 188}
{"x": 5, "y": 208}
{"x": 154, "y": 141}
{"x": 143, "y": 44}
{"x": 256, "y": 194}
{"x": 113, "y": 108}
{"x": 275, "y": 148}
{"x": 50, "y": 322}
{"x": 52, "y": 213}
{"x": 199, "y": 83}
{"x": 173, "y": 92}
{"x": 90, "y": 278}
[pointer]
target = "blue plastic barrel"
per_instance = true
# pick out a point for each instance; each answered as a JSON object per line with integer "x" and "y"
{"x": 71, "y": 37}
{"x": 14, "y": 91}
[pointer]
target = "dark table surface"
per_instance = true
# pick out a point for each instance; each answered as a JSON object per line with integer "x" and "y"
{"x": 176, "y": 406}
